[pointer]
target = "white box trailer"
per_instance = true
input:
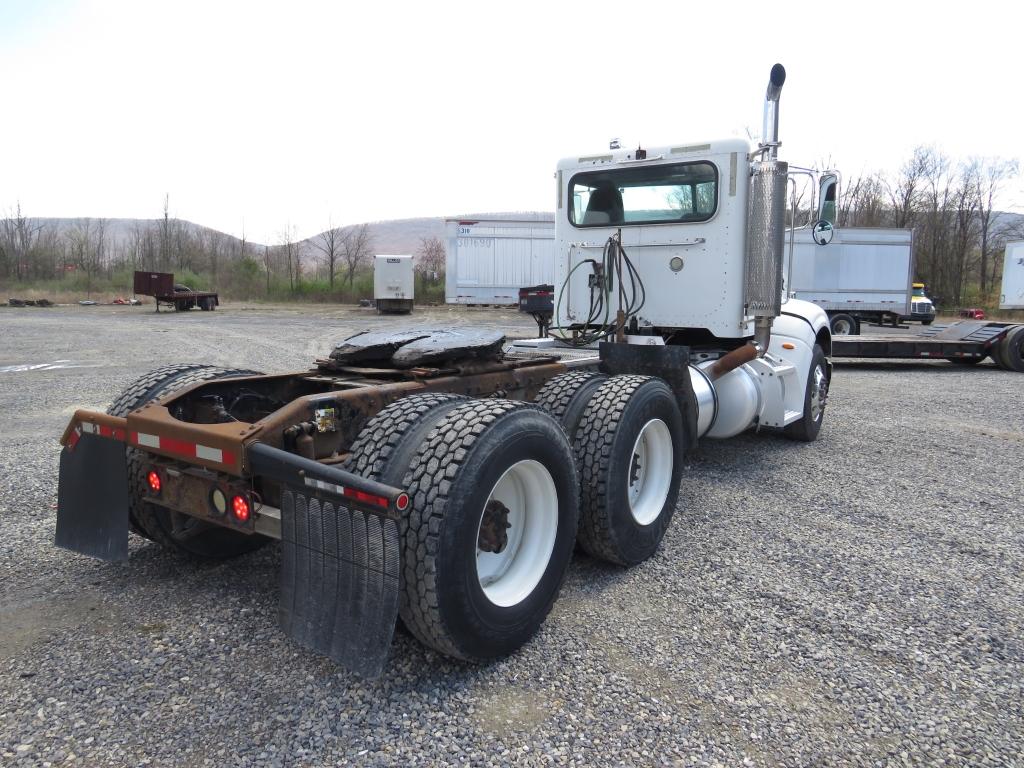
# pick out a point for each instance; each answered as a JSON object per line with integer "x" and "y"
{"x": 487, "y": 261}
{"x": 393, "y": 283}
{"x": 862, "y": 274}
{"x": 1012, "y": 294}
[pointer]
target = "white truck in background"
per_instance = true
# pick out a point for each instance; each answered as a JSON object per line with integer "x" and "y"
{"x": 1012, "y": 294}
{"x": 487, "y": 261}
{"x": 863, "y": 274}
{"x": 393, "y": 283}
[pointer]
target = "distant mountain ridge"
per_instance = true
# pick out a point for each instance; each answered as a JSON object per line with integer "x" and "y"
{"x": 389, "y": 236}
{"x": 404, "y": 235}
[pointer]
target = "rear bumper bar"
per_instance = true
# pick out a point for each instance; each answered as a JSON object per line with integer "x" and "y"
{"x": 218, "y": 447}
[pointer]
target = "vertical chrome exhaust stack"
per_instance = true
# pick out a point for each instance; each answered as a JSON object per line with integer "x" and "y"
{"x": 770, "y": 124}
{"x": 766, "y": 220}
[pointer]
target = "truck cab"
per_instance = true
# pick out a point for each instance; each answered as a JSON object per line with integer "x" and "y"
{"x": 921, "y": 307}
{"x": 680, "y": 212}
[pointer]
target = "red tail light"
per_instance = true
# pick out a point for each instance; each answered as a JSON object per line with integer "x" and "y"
{"x": 240, "y": 508}
{"x": 153, "y": 479}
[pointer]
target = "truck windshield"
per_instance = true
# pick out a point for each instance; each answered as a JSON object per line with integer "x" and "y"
{"x": 658, "y": 194}
{"x": 918, "y": 291}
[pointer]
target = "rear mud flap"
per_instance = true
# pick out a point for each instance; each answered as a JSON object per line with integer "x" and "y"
{"x": 92, "y": 498}
{"x": 339, "y": 579}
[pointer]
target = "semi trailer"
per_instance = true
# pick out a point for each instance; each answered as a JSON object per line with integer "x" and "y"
{"x": 444, "y": 477}
{"x": 488, "y": 260}
{"x": 1011, "y": 296}
{"x": 394, "y": 284}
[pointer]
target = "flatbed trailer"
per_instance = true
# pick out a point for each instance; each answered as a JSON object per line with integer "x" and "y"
{"x": 185, "y": 300}
{"x": 966, "y": 342}
{"x": 163, "y": 289}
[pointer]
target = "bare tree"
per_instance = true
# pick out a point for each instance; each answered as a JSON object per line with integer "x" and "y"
{"x": 267, "y": 265}
{"x": 964, "y": 219}
{"x": 904, "y": 194}
{"x": 18, "y": 237}
{"x": 87, "y": 245}
{"x": 430, "y": 257}
{"x": 862, "y": 202}
{"x": 291, "y": 252}
{"x": 165, "y": 234}
{"x": 242, "y": 244}
{"x": 328, "y": 243}
{"x": 995, "y": 172}
{"x": 356, "y": 247}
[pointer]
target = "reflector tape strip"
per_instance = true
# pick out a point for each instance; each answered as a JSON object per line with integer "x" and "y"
{"x": 210, "y": 454}
{"x": 351, "y": 493}
{"x": 183, "y": 448}
{"x": 324, "y": 486}
{"x": 101, "y": 430}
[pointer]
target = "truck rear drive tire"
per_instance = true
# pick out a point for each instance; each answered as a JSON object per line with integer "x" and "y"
{"x": 815, "y": 398}
{"x": 174, "y": 531}
{"x": 629, "y": 451}
{"x": 388, "y": 443}
{"x": 566, "y": 396}
{"x": 844, "y": 325}
{"x": 490, "y": 529}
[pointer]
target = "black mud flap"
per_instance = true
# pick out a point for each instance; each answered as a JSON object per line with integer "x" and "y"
{"x": 340, "y": 562}
{"x": 339, "y": 580}
{"x": 92, "y": 498}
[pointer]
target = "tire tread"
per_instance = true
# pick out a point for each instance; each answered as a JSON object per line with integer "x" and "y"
{"x": 429, "y": 483}
{"x": 592, "y": 447}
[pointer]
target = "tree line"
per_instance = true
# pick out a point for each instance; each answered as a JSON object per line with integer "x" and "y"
{"x": 87, "y": 254}
{"x": 950, "y": 205}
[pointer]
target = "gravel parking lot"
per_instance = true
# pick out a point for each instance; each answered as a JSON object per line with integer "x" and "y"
{"x": 855, "y": 601}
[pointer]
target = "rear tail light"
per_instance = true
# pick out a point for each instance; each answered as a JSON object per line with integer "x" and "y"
{"x": 240, "y": 508}
{"x": 153, "y": 481}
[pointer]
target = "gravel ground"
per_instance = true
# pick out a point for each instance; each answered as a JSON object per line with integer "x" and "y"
{"x": 857, "y": 601}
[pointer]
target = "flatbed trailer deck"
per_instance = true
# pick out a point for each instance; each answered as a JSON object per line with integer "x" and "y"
{"x": 185, "y": 300}
{"x": 967, "y": 342}
{"x": 163, "y": 289}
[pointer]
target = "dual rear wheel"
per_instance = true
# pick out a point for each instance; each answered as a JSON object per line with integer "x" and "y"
{"x": 501, "y": 490}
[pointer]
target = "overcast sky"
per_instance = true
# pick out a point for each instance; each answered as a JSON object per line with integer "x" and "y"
{"x": 271, "y": 114}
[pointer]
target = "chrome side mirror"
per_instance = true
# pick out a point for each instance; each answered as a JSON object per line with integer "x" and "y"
{"x": 828, "y": 198}
{"x": 822, "y": 232}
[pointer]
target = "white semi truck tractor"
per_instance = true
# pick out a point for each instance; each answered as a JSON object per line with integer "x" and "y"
{"x": 443, "y": 477}
{"x": 684, "y": 246}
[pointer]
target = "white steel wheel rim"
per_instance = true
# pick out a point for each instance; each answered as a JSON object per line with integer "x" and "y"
{"x": 843, "y": 328}
{"x": 650, "y": 472}
{"x": 528, "y": 491}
